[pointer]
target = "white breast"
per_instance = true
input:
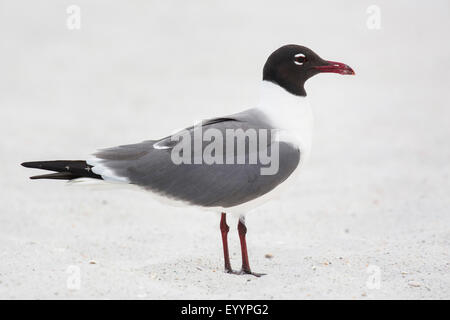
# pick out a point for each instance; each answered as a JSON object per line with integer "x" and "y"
{"x": 291, "y": 114}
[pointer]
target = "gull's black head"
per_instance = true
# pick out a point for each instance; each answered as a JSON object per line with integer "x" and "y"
{"x": 291, "y": 65}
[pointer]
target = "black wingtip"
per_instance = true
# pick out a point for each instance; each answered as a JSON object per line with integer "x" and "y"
{"x": 31, "y": 164}
{"x": 64, "y": 169}
{"x": 57, "y": 176}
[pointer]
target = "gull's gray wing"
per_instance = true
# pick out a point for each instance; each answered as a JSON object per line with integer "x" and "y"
{"x": 149, "y": 165}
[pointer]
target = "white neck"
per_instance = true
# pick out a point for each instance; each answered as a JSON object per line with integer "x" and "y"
{"x": 290, "y": 113}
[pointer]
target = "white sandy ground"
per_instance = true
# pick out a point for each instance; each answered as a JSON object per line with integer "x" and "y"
{"x": 372, "y": 204}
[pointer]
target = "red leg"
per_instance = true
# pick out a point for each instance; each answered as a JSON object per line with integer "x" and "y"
{"x": 224, "y": 230}
{"x": 242, "y": 229}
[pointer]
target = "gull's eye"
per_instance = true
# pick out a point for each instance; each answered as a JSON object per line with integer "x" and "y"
{"x": 299, "y": 59}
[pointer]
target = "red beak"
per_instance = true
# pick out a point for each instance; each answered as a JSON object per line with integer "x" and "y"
{"x": 335, "y": 67}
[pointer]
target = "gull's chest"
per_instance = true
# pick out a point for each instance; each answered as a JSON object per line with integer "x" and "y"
{"x": 291, "y": 115}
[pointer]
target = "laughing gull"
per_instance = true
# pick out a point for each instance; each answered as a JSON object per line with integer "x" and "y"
{"x": 206, "y": 165}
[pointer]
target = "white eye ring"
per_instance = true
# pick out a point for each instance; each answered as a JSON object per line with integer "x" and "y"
{"x": 298, "y": 55}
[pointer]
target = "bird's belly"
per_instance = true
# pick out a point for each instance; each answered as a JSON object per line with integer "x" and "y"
{"x": 273, "y": 194}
